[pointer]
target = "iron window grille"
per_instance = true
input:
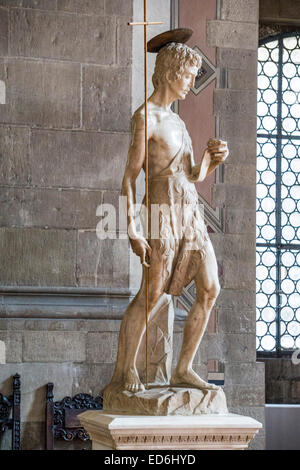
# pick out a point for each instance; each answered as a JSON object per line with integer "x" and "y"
{"x": 278, "y": 195}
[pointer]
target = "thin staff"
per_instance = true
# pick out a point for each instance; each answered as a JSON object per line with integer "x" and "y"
{"x": 146, "y": 23}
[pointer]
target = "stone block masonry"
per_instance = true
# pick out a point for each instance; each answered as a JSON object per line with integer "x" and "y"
{"x": 105, "y": 90}
{"x": 232, "y": 34}
{"x": 87, "y": 160}
{"x": 41, "y": 94}
{"x": 15, "y": 153}
{"x": 38, "y": 4}
{"x": 37, "y": 257}
{"x": 63, "y": 36}
{"x": 3, "y": 32}
{"x": 239, "y": 10}
{"x": 64, "y": 135}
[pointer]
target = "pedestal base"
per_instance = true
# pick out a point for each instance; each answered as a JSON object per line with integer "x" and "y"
{"x": 121, "y": 432}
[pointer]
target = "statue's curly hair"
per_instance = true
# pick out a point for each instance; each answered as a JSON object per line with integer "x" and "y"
{"x": 174, "y": 57}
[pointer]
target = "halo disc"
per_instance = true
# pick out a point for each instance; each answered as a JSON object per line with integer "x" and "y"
{"x": 180, "y": 35}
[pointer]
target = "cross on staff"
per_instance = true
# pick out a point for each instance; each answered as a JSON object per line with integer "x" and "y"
{"x": 146, "y": 23}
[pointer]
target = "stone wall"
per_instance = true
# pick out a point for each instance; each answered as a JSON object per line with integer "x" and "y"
{"x": 279, "y": 11}
{"x": 64, "y": 128}
{"x": 282, "y": 381}
{"x": 64, "y": 134}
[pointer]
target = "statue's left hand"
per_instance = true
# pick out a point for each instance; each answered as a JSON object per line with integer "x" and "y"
{"x": 218, "y": 150}
{"x": 215, "y": 153}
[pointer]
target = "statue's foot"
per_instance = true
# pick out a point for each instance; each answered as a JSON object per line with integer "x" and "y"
{"x": 132, "y": 382}
{"x": 191, "y": 379}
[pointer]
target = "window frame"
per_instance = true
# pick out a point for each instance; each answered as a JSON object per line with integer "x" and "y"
{"x": 278, "y": 245}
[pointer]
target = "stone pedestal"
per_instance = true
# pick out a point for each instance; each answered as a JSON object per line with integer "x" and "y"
{"x": 204, "y": 432}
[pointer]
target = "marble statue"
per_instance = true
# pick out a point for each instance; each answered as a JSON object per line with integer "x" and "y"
{"x": 183, "y": 251}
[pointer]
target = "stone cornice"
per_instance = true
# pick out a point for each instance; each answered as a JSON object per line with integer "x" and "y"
{"x": 63, "y": 302}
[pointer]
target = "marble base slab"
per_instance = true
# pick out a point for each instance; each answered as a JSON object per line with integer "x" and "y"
{"x": 205, "y": 432}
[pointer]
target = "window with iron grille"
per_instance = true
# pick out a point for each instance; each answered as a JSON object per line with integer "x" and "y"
{"x": 278, "y": 195}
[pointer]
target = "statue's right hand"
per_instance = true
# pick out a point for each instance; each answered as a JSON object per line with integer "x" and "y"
{"x": 141, "y": 248}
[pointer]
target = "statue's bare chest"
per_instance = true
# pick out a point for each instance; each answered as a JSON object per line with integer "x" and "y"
{"x": 167, "y": 135}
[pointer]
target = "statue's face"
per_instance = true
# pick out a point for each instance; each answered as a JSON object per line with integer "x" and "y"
{"x": 182, "y": 85}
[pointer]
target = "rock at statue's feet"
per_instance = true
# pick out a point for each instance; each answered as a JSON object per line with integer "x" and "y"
{"x": 132, "y": 381}
{"x": 191, "y": 379}
{"x": 166, "y": 401}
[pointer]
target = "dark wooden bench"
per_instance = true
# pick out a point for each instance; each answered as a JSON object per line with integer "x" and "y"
{"x": 62, "y": 416}
{"x": 10, "y": 411}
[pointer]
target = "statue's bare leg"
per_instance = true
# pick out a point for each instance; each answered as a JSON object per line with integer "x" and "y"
{"x": 207, "y": 288}
{"x": 133, "y": 328}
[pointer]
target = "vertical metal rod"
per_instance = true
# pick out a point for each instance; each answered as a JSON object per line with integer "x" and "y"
{"x": 278, "y": 198}
{"x": 146, "y": 182}
{"x": 148, "y": 229}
